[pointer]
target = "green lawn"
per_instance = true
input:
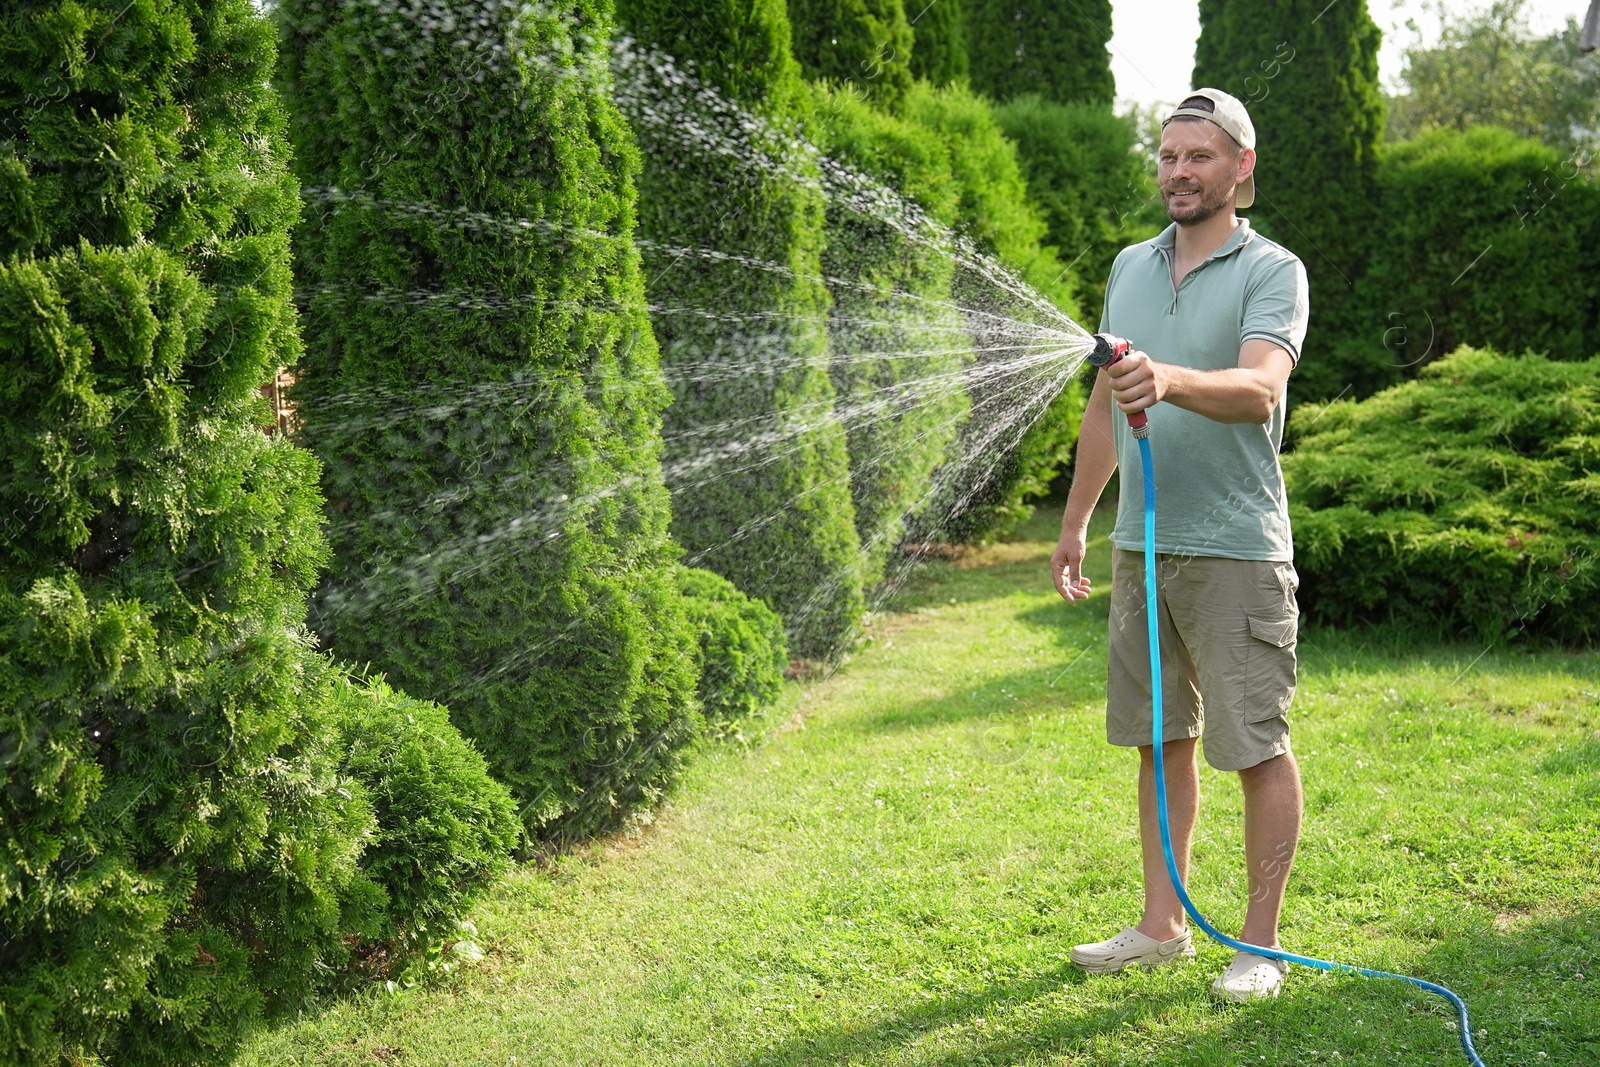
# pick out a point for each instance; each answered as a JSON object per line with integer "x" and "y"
{"x": 895, "y": 873}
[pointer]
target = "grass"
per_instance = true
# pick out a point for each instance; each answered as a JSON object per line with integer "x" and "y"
{"x": 895, "y": 874}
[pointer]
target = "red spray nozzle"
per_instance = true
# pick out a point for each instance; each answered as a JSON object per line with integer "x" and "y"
{"x": 1109, "y": 348}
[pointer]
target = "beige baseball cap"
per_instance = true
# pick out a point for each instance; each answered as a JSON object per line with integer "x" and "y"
{"x": 1226, "y": 111}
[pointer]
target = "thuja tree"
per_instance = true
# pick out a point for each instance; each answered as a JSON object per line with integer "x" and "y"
{"x": 483, "y": 386}
{"x": 1094, "y": 192}
{"x": 179, "y": 850}
{"x": 1308, "y": 73}
{"x": 866, "y": 43}
{"x": 1025, "y": 409}
{"x": 939, "y": 41}
{"x": 898, "y": 344}
{"x": 1040, "y": 46}
{"x": 756, "y": 458}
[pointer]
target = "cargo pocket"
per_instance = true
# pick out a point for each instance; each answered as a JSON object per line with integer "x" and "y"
{"x": 1270, "y": 665}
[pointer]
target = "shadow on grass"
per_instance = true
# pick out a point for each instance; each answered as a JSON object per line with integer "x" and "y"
{"x": 871, "y": 1042}
{"x": 1076, "y": 678}
{"x": 1522, "y": 987}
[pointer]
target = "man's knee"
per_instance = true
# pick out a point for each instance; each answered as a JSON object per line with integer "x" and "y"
{"x": 1182, "y": 748}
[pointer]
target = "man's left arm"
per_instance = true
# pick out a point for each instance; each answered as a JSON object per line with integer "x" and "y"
{"x": 1248, "y": 392}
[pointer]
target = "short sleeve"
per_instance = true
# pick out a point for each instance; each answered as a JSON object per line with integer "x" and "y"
{"x": 1105, "y": 304}
{"x": 1277, "y": 305}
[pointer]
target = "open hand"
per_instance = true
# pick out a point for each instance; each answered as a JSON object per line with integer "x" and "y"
{"x": 1066, "y": 567}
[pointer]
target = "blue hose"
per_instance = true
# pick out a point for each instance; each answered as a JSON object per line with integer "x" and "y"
{"x": 1161, "y": 787}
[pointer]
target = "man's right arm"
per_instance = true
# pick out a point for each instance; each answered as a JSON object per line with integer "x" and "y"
{"x": 1096, "y": 460}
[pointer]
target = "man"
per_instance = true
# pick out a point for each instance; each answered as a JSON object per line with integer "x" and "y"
{"x": 1221, "y": 312}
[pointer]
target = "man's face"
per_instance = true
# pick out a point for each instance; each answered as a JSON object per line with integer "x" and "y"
{"x": 1197, "y": 170}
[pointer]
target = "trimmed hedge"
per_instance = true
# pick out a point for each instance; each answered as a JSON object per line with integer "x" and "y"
{"x": 1459, "y": 503}
{"x": 1479, "y": 237}
{"x": 898, "y": 347}
{"x": 483, "y": 386}
{"x": 992, "y": 472}
{"x": 180, "y": 849}
{"x": 756, "y": 458}
{"x": 742, "y": 651}
{"x": 866, "y": 43}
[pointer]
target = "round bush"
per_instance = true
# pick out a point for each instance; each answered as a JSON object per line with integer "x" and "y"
{"x": 742, "y": 652}
{"x": 445, "y": 829}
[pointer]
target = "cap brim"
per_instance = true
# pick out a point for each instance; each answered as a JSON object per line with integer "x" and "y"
{"x": 1246, "y": 193}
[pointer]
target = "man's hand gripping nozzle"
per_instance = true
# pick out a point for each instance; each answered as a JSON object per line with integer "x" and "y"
{"x": 1109, "y": 348}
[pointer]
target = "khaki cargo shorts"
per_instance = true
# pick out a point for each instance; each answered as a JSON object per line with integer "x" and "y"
{"x": 1227, "y": 630}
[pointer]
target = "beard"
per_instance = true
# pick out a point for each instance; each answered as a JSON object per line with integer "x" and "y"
{"x": 1208, "y": 203}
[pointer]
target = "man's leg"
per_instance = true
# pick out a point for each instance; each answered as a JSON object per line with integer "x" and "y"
{"x": 1163, "y": 914}
{"x": 1272, "y": 808}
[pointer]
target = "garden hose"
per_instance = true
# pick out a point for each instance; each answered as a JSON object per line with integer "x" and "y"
{"x": 1108, "y": 350}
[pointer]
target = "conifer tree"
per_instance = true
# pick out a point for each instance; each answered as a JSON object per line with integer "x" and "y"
{"x": 483, "y": 386}
{"x": 866, "y": 43}
{"x": 179, "y": 849}
{"x": 755, "y": 455}
{"x": 1308, "y": 73}
{"x": 938, "y": 41}
{"x": 898, "y": 343}
{"x": 1040, "y": 46}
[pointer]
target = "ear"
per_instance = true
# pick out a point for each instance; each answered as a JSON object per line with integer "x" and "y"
{"x": 1247, "y": 165}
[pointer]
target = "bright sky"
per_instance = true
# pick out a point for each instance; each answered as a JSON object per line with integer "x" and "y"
{"x": 1152, "y": 43}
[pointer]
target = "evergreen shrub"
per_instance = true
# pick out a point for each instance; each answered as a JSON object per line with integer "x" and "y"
{"x": 482, "y": 384}
{"x": 1040, "y": 46}
{"x": 445, "y": 829}
{"x": 1462, "y": 502}
{"x": 866, "y": 43}
{"x": 996, "y": 466}
{"x": 742, "y": 651}
{"x": 1479, "y": 237}
{"x": 1095, "y": 192}
{"x": 939, "y": 42}
{"x": 755, "y": 456}
{"x": 179, "y": 853}
{"x": 898, "y": 345}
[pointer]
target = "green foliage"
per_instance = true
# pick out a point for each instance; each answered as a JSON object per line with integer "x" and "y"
{"x": 1485, "y": 67}
{"x": 483, "y": 385}
{"x": 179, "y": 848}
{"x": 759, "y": 466}
{"x": 742, "y": 651}
{"x": 1040, "y": 46}
{"x": 985, "y": 494}
{"x": 898, "y": 345}
{"x": 1094, "y": 189}
{"x": 939, "y": 41}
{"x": 445, "y": 829}
{"x": 1463, "y": 501}
{"x": 1308, "y": 72}
{"x": 866, "y": 43}
{"x": 1479, "y": 239}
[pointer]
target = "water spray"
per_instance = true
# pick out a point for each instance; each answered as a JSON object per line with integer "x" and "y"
{"x": 1107, "y": 350}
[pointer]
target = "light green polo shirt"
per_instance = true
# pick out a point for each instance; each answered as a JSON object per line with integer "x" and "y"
{"x": 1219, "y": 488}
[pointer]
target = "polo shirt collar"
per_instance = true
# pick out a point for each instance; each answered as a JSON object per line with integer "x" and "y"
{"x": 1167, "y": 240}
